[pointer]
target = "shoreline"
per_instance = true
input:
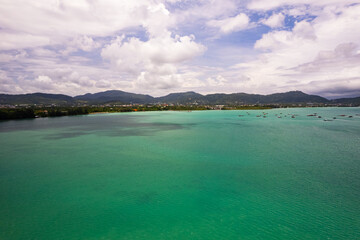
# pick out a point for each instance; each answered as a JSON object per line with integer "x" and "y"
{"x": 95, "y": 113}
{"x": 35, "y": 116}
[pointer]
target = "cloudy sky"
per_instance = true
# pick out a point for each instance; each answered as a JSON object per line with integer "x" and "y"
{"x": 162, "y": 46}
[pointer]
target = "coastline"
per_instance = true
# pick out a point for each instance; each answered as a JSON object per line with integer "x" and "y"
{"x": 97, "y": 113}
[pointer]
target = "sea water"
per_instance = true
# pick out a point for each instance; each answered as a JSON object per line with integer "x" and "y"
{"x": 182, "y": 175}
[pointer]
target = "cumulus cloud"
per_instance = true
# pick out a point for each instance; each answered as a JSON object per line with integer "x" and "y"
{"x": 310, "y": 56}
{"x": 149, "y": 46}
{"x": 267, "y": 5}
{"x": 232, "y": 24}
{"x": 46, "y": 73}
{"x": 218, "y": 81}
{"x": 6, "y": 84}
{"x": 73, "y": 27}
{"x": 275, "y": 21}
{"x": 40, "y": 23}
{"x": 14, "y": 56}
{"x": 83, "y": 43}
{"x": 153, "y": 61}
{"x": 103, "y": 84}
{"x": 204, "y": 10}
{"x": 11, "y": 41}
{"x": 344, "y": 56}
{"x": 4, "y": 78}
{"x": 302, "y": 33}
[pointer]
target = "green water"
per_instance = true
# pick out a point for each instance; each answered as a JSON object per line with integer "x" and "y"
{"x": 182, "y": 175}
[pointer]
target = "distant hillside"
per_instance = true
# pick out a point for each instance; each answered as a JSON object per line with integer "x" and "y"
{"x": 355, "y": 101}
{"x": 293, "y": 97}
{"x": 116, "y": 96}
{"x": 242, "y": 98}
{"x": 36, "y": 98}
{"x": 182, "y": 98}
{"x": 234, "y": 98}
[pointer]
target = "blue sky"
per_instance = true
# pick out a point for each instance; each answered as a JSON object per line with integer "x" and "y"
{"x": 162, "y": 46}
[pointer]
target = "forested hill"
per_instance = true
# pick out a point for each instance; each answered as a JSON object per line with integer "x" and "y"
{"x": 36, "y": 98}
{"x": 121, "y": 97}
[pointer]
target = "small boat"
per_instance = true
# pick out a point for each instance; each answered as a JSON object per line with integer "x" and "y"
{"x": 327, "y": 120}
{"x": 319, "y": 116}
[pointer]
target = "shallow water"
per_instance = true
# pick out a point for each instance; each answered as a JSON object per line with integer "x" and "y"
{"x": 182, "y": 175}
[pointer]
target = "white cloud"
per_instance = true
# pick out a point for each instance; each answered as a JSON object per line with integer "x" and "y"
{"x": 83, "y": 43}
{"x": 103, "y": 84}
{"x": 267, "y": 5}
{"x": 232, "y": 24}
{"x": 50, "y": 22}
{"x": 7, "y": 85}
{"x": 275, "y": 21}
{"x": 4, "y": 78}
{"x": 65, "y": 46}
{"x": 16, "y": 40}
{"x": 153, "y": 61}
{"x": 134, "y": 54}
{"x": 311, "y": 57}
{"x": 52, "y": 32}
{"x": 47, "y": 73}
{"x": 204, "y": 10}
{"x": 44, "y": 82}
{"x": 218, "y": 81}
{"x": 6, "y": 57}
{"x": 302, "y": 33}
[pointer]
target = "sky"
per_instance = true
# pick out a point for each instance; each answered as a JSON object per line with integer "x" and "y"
{"x": 158, "y": 47}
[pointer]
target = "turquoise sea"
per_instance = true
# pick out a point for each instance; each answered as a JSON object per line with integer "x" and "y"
{"x": 182, "y": 175}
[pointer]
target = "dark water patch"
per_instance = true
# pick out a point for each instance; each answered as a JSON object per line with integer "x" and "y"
{"x": 125, "y": 130}
{"x": 137, "y": 197}
{"x": 79, "y": 122}
{"x": 112, "y": 125}
{"x": 63, "y": 135}
{"x": 146, "y": 198}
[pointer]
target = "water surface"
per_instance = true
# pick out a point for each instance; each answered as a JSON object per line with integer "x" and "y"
{"x": 182, "y": 175}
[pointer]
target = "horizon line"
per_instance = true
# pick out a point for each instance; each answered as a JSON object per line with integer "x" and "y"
{"x": 109, "y": 90}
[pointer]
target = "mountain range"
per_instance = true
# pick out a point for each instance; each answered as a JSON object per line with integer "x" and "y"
{"x": 121, "y": 97}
